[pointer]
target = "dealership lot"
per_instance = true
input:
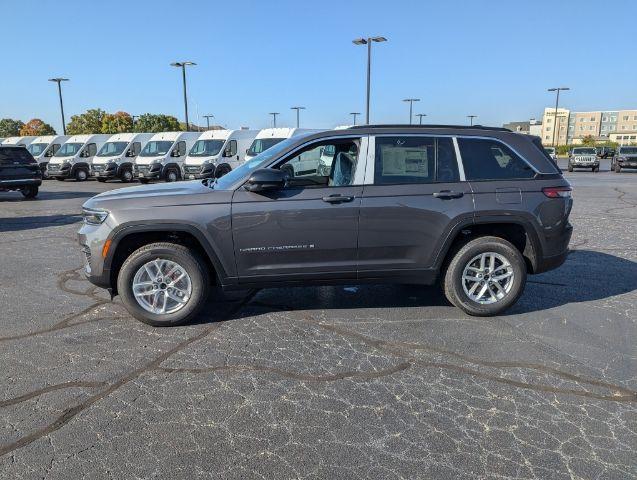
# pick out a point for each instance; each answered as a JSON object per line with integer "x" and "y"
{"x": 332, "y": 382}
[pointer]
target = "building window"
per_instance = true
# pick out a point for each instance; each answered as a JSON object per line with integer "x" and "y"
{"x": 549, "y": 120}
{"x": 632, "y": 137}
{"x": 605, "y": 119}
{"x": 547, "y": 137}
{"x": 625, "y": 118}
{"x": 613, "y": 119}
{"x": 623, "y": 127}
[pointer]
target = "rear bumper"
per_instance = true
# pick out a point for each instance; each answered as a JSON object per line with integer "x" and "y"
{"x": 546, "y": 263}
{"x": 18, "y": 183}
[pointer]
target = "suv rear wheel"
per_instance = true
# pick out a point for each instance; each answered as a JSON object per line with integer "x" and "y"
{"x": 30, "y": 191}
{"x": 485, "y": 277}
{"x": 163, "y": 284}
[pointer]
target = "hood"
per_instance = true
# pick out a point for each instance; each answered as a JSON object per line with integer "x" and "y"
{"x": 199, "y": 160}
{"x": 100, "y": 160}
{"x": 148, "y": 160}
{"x": 61, "y": 159}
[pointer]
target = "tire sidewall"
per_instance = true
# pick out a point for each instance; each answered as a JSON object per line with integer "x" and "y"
{"x": 188, "y": 261}
{"x": 473, "y": 249}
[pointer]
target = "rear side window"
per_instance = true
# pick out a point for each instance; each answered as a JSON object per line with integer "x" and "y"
{"x": 10, "y": 156}
{"x": 491, "y": 160}
{"x": 408, "y": 159}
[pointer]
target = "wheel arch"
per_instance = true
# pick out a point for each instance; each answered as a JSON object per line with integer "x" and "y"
{"x": 171, "y": 166}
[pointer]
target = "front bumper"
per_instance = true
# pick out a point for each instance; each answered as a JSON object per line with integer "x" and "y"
{"x": 58, "y": 170}
{"x": 584, "y": 163}
{"x": 631, "y": 163}
{"x": 192, "y": 172}
{"x": 147, "y": 171}
{"x": 91, "y": 239}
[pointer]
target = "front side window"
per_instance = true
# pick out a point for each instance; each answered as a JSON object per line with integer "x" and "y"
{"x": 405, "y": 159}
{"x": 90, "y": 150}
{"x": 312, "y": 167}
{"x": 485, "y": 159}
{"x": 134, "y": 149}
{"x": 52, "y": 150}
{"x": 180, "y": 149}
{"x": 231, "y": 149}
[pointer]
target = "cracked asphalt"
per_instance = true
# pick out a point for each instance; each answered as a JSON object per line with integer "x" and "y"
{"x": 333, "y": 382}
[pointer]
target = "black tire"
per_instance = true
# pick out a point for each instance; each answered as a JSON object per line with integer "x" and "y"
{"x": 101, "y": 180}
{"x": 618, "y": 168}
{"x": 453, "y": 276}
{"x": 143, "y": 181}
{"x": 570, "y": 167}
{"x": 126, "y": 176}
{"x": 81, "y": 175}
{"x": 30, "y": 191}
{"x": 189, "y": 260}
{"x": 595, "y": 169}
{"x": 171, "y": 175}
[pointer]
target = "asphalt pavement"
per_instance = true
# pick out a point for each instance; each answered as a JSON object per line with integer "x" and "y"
{"x": 331, "y": 382}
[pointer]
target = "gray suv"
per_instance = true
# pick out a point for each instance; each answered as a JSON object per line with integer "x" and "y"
{"x": 477, "y": 208}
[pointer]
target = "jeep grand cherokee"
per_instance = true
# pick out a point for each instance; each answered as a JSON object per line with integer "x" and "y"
{"x": 476, "y": 208}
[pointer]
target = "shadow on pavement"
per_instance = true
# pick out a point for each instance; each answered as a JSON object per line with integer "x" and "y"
{"x": 15, "y": 224}
{"x": 45, "y": 195}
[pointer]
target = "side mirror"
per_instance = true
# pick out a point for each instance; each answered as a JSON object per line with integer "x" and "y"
{"x": 175, "y": 153}
{"x": 266, "y": 179}
{"x": 227, "y": 152}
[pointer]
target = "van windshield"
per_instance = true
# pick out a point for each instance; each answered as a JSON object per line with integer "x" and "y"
{"x": 206, "y": 148}
{"x": 156, "y": 148}
{"x": 111, "y": 149}
{"x": 69, "y": 149}
{"x": 248, "y": 167}
{"x": 628, "y": 150}
{"x": 584, "y": 151}
{"x": 262, "y": 144}
{"x": 36, "y": 149}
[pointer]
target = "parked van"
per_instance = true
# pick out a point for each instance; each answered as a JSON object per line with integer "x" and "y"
{"x": 216, "y": 152}
{"x": 75, "y": 157}
{"x": 163, "y": 156}
{"x": 18, "y": 141}
{"x": 269, "y": 137}
{"x": 116, "y": 158}
{"x": 44, "y": 147}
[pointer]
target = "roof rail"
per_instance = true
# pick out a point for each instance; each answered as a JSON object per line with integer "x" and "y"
{"x": 464, "y": 127}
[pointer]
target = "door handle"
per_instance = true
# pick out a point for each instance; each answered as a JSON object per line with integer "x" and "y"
{"x": 338, "y": 198}
{"x": 445, "y": 194}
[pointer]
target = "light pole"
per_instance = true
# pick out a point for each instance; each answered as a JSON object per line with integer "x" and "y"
{"x": 420, "y": 115}
{"x": 557, "y": 91}
{"x": 183, "y": 66}
{"x": 411, "y": 106}
{"x": 208, "y": 117}
{"x": 355, "y": 114}
{"x": 298, "y": 109}
{"x": 471, "y": 117}
{"x": 59, "y": 82}
{"x": 274, "y": 114}
{"x": 368, "y": 41}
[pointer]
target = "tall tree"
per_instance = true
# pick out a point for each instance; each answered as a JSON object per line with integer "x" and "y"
{"x": 36, "y": 127}
{"x": 87, "y": 122}
{"x": 119, "y": 122}
{"x": 10, "y": 127}
{"x": 149, "y": 122}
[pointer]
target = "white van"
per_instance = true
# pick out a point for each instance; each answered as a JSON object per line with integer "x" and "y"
{"x": 19, "y": 141}
{"x": 44, "y": 147}
{"x": 74, "y": 158}
{"x": 116, "y": 158}
{"x": 216, "y": 152}
{"x": 163, "y": 156}
{"x": 269, "y": 137}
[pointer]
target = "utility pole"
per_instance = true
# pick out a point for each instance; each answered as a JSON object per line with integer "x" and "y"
{"x": 298, "y": 109}
{"x": 274, "y": 114}
{"x": 368, "y": 41}
{"x": 420, "y": 115}
{"x": 471, "y": 117}
{"x": 557, "y": 91}
{"x": 183, "y": 66}
{"x": 208, "y": 117}
{"x": 59, "y": 81}
{"x": 355, "y": 114}
{"x": 411, "y": 107}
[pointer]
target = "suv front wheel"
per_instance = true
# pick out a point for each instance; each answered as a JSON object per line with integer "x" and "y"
{"x": 163, "y": 284}
{"x": 485, "y": 277}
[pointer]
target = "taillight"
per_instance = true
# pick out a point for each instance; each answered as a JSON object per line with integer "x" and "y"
{"x": 557, "y": 192}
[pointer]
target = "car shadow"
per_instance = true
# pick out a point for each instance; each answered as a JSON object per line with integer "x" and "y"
{"x": 44, "y": 195}
{"x": 606, "y": 276}
{"x": 16, "y": 224}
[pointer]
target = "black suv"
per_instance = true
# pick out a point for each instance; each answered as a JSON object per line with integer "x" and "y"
{"x": 19, "y": 171}
{"x": 476, "y": 208}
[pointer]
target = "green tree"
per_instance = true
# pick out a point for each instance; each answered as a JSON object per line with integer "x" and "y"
{"x": 87, "y": 122}
{"x": 10, "y": 127}
{"x": 119, "y": 122}
{"x": 149, "y": 122}
{"x": 36, "y": 127}
{"x": 588, "y": 140}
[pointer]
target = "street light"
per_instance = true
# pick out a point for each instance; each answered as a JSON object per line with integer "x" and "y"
{"x": 183, "y": 66}
{"x": 411, "y": 106}
{"x": 471, "y": 117}
{"x": 208, "y": 117}
{"x": 420, "y": 115}
{"x": 297, "y": 114}
{"x": 59, "y": 81}
{"x": 368, "y": 41}
{"x": 557, "y": 91}
{"x": 354, "y": 114}
{"x": 274, "y": 114}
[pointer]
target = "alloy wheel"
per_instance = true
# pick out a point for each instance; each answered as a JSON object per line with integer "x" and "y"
{"x": 487, "y": 278}
{"x": 162, "y": 286}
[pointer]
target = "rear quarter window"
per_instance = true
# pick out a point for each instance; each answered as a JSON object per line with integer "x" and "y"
{"x": 9, "y": 156}
{"x": 485, "y": 159}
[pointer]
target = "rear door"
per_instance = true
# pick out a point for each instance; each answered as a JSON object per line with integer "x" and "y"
{"x": 17, "y": 164}
{"x": 413, "y": 198}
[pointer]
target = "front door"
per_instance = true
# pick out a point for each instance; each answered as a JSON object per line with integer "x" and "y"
{"x": 411, "y": 202}
{"x": 308, "y": 229}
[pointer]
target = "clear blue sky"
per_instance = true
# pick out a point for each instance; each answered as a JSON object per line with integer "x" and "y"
{"x": 492, "y": 58}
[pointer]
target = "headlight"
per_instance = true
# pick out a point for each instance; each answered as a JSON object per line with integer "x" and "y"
{"x": 94, "y": 216}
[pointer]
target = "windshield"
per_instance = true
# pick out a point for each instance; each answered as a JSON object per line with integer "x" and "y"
{"x": 262, "y": 144}
{"x": 155, "y": 149}
{"x": 628, "y": 150}
{"x": 206, "y": 148}
{"x": 248, "y": 167}
{"x": 111, "y": 149}
{"x": 69, "y": 149}
{"x": 584, "y": 151}
{"x": 36, "y": 149}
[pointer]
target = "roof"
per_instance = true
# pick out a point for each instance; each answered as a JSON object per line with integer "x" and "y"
{"x": 429, "y": 127}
